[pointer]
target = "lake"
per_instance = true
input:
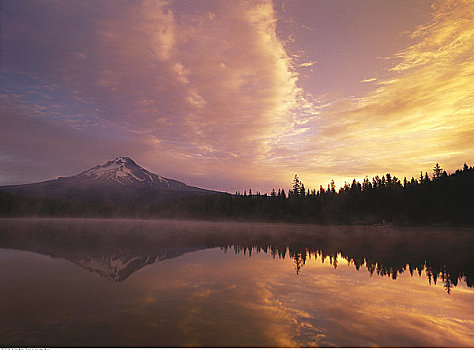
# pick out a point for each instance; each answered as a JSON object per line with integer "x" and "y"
{"x": 155, "y": 283}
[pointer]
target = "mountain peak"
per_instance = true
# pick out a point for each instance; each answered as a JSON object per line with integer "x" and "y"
{"x": 120, "y": 179}
{"x": 125, "y": 171}
{"x": 124, "y": 160}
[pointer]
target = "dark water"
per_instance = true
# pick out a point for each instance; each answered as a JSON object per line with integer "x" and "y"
{"x": 167, "y": 283}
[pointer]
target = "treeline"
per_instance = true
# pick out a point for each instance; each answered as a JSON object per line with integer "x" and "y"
{"x": 440, "y": 199}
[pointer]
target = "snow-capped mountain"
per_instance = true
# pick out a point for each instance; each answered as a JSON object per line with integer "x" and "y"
{"x": 120, "y": 181}
{"x": 125, "y": 171}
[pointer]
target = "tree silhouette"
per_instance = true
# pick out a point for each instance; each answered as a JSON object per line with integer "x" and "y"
{"x": 437, "y": 171}
{"x": 296, "y": 186}
{"x": 445, "y": 200}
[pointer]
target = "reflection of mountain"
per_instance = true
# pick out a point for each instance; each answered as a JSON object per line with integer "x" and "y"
{"x": 119, "y": 266}
{"x": 113, "y": 265}
{"x": 115, "y": 249}
{"x": 115, "y": 268}
{"x": 106, "y": 248}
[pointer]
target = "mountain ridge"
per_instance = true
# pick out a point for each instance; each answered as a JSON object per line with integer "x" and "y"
{"x": 124, "y": 171}
{"x": 118, "y": 179}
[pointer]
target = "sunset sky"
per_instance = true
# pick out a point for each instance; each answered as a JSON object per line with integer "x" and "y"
{"x": 229, "y": 95}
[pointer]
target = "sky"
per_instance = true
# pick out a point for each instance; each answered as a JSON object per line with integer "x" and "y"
{"x": 231, "y": 95}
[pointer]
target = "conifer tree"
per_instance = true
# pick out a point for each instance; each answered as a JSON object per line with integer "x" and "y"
{"x": 437, "y": 172}
{"x": 333, "y": 186}
{"x": 296, "y": 186}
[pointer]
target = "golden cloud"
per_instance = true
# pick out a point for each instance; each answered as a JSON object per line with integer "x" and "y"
{"x": 421, "y": 114}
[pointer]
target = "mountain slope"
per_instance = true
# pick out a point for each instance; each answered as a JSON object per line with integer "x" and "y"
{"x": 118, "y": 180}
{"x": 125, "y": 171}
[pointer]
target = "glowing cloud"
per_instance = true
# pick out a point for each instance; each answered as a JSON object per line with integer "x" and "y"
{"x": 210, "y": 93}
{"x": 307, "y": 64}
{"x": 419, "y": 115}
{"x": 204, "y": 89}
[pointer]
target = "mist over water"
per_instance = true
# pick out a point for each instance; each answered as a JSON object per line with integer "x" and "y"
{"x": 74, "y": 282}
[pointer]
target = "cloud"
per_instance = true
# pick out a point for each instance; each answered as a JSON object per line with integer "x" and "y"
{"x": 206, "y": 86}
{"x": 369, "y": 80}
{"x": 307, "y": 64}
{"x": 420, "y": 114}
{"x": 35, "y": 144}
{"x": 208, "y": 93}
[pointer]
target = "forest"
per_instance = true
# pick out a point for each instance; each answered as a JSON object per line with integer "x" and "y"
{"x": 437, "y": 198}
{"x": 442, "y": 199}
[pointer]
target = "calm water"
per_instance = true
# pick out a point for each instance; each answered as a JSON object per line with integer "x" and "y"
{"x": 168, "y": 283}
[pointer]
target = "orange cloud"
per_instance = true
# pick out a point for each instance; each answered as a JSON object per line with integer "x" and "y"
{"x": 209, "y": 93}
{"x": 419, "y": 115}
{"x": 207, "y": 89}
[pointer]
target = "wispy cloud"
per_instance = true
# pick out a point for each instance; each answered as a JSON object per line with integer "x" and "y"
{"x": 422, "y": 114}
{"x": 208, "y": 92}
{"x": 307, "y": 64}
{"x": 369, "y": 80}
{"x": 203, "y": 89}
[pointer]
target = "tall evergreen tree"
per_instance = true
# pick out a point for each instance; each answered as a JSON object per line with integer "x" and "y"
{"x": 333, "y": 186}
{"x": 427, "y": 178}
{"x": 296, "y": 186}
{"x": 437, "y": 172}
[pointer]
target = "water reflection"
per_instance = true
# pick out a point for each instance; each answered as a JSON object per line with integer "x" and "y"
{"x": 114, "y": 249}
{"x": 168, "y": 283}
{"x": 436, "y": 268}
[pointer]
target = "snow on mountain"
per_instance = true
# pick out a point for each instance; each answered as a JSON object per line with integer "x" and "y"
{"x": 118, "y": 181}
{"x": 125, "y": 171}
{"x": 116, "y": 268}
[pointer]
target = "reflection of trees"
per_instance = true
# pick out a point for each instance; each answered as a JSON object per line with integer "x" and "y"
{"x": 447, "y": 266}
{"x": 299, "y": 260}
{"x": 116, "y": 249}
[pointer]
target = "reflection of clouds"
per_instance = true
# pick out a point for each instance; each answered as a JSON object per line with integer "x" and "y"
{"x": 354, "y": 309}
{"x": 211, "y": 299}
{"x": 327, "y": 307}
{"x": 304, "y": 331}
